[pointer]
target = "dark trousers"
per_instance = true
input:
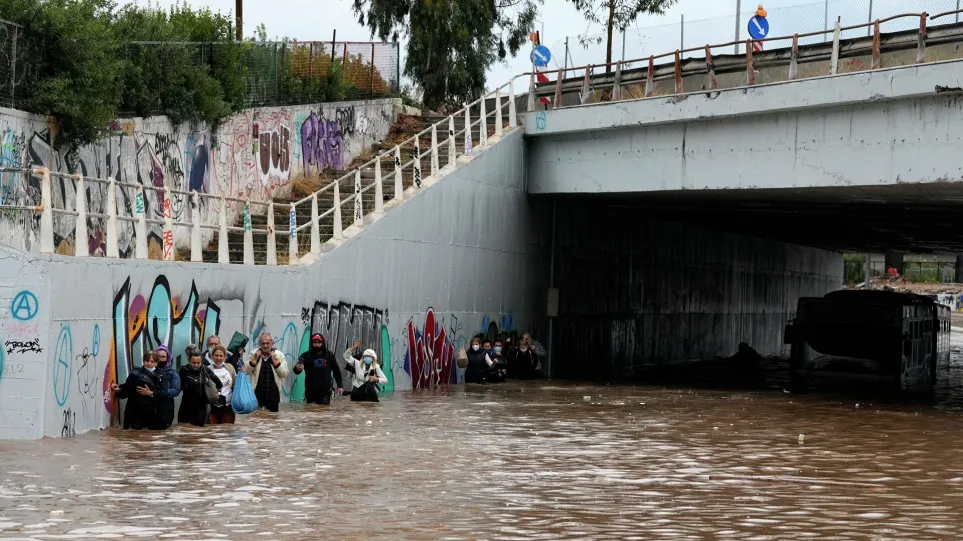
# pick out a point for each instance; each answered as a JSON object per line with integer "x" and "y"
{"x": 322, "y": 397}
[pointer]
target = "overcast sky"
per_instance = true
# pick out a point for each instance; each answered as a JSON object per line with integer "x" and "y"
{"x": 313, "y": 20}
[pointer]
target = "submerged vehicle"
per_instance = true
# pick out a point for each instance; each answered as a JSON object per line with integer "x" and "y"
{"x": 886, "y": 338}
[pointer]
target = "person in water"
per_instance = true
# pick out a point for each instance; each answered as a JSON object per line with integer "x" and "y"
{"x": 222, "y": 413}
{"x": 170, "y": 385}
{"x": 194, "y": 406}
{"x": 141, "y": 412}
{"x": 319, "y": 366}
{"x": 478, "y": 363}
{"x": 267, "y": 369}
{"x": 367, "y": 374}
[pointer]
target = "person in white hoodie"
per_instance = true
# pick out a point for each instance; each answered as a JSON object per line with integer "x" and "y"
{"x": 367, "y": 374}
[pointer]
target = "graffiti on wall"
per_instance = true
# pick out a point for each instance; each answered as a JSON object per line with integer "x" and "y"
{"x": 342, "y": 323}
{"x": 431, "y": 354}
{"x": 141, "y": 324}
{"x": 322, "y": 142}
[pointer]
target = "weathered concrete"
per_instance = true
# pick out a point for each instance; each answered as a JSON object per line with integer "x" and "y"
{"x": 452, "y": 260}
{"x": 635, "y": 292}
{"x": 873, "y": 128}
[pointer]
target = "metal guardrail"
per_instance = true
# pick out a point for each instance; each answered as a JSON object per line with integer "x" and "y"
{"x": 710, "y": 66}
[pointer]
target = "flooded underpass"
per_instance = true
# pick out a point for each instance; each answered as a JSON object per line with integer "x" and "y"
{"x": 517, "y": 461}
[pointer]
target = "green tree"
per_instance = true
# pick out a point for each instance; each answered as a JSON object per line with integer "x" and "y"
{"x": 618, "y": 15}
{"x": 451, "y": 43}
{"x": 75, "y": 65}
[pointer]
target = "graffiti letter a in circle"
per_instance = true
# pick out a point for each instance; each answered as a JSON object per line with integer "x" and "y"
{"x": 24, "y": 306}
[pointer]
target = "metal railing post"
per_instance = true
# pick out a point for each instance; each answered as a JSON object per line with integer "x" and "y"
{"x": 81, "y": 247}
{"x": 168, "y": 226}
{"x": 650, "y": 78}
{"x": 617, "y": 85}
{"x": 196, "y": 254}
{"x": 921, "y": 48}
{"x": 358, "y": 210}
{"x": 876, "y": 53}
{"x": 272, "y": 247}
{"x": 222, "y": 253}
{"x": 113, "y": 250}
{"x": 711, "y": 82}
{"x": 794, "y": 58}
{"x": 483, "y": 124}
{"x": 248, "y": 235}
{"x": 467, "y": 130}
{"x": 512, "y": 112}
{"x": 293, "y": 236}
{"x": 417, "y": 166}
{"x": 750, "y": 72}
{"x": 46, "y": 214}
{"x": 315, "y": 219}
{"x": 399, "y": 182}
{"x": 530, "y": 106}
{"x": 336, "y": 232}
{"x": 587, "y": 85}
{"x": 679, "y": 89}
{"x": 434, "y": 150}
{"x": 499, "y": 128}
{"x": 452, "y": 151}
{"x": 834, "y": 59}
{"x": 379, "y": 189}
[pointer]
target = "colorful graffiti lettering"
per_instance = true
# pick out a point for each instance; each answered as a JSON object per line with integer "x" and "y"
{"x": 141, "y": 325}
{"x": 321, "y": 144}
{"x": 274, "y": 156}
{"x": 431, "y": 354}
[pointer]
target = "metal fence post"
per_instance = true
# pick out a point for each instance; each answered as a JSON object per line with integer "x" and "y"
{"x": 870, "y": 18}
{"x": 112, "y": 248}
{"x": 196, "y": 254}
{"x": 272, "y": 247}
{"x": 81, "y": 248}
{"x": 530, "y": 105}
{"x": 371, "y": 76}
{"x": 834, "y": 59}
{"x": 13, "y": 69}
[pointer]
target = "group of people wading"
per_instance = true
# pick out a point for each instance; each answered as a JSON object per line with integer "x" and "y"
{"x": 208, "y": 380}
{"x": 151, "y": 389}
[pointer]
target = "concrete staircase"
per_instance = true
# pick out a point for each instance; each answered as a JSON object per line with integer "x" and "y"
{"x": 403, "y": 129}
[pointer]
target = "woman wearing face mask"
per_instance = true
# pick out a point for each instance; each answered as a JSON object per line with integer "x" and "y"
{"x": 141, "y": 411}
{"x": 478, "y": 363}
{"x": 224, "y": 371}
{"x": 367, "y": 374}
{"x": 194, "y": 406}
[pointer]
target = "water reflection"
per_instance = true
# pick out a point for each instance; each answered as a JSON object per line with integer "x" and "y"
{"x": 544, "y": 461}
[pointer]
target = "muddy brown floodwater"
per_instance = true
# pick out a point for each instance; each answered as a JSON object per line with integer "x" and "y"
{"x": 517, "y": 461}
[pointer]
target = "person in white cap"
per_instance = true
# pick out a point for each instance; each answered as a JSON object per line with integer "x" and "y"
{"x": 367, "y": 374}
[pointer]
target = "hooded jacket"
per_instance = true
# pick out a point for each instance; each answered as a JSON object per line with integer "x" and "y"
{"x": 361, "y": 371}
{"x": 318, "y": 366}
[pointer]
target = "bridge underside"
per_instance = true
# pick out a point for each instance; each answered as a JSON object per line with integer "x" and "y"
{"x": 907, "y": 218}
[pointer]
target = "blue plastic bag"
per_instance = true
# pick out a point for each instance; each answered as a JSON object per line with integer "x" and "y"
{"x": 243, "y": 401}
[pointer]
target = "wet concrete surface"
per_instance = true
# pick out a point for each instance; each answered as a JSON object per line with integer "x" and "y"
{"x": 518, "y": 461}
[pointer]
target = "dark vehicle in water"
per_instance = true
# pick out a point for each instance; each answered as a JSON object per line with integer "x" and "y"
{"x": 894, "y": 340}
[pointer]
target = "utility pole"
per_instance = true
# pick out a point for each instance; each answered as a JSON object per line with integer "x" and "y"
{"x": 239, "y": 20}
{"x": 735, "y": 48}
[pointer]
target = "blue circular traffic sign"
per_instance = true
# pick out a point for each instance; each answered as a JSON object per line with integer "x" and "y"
{"x": 540, "y": 56}
{"x": 758, "y": 27}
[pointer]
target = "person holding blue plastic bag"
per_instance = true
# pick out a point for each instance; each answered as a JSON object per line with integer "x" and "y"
{"x": 267, "y": 369}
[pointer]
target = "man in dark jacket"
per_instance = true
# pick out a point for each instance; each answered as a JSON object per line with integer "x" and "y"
{"x": 318, "y": 365}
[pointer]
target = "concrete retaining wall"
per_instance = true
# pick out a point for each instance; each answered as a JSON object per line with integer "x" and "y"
{"x": 253, "y": 154}
{"x": 457, "y": 258}
{"x": 634, "y": 293}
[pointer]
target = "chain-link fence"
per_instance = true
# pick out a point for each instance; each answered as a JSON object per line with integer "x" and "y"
{"x": 251, "y": 74}
{"x": 641, "y": 42}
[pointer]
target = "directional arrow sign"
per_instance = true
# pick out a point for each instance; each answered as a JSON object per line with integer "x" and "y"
{"x": 540, "y": 56}
{"x": 758, "y": 27}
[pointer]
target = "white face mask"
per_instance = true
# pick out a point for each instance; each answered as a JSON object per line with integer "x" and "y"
{"x": 475, "y": 347}
{"x": 151, "y": 369}
{"x": 524, "y": 348}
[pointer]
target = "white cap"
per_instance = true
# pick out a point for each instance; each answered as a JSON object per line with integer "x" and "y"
{"x": 370, "y": 353}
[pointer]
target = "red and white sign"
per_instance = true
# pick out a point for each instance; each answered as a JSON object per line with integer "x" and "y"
{"x": 756, "y": 46}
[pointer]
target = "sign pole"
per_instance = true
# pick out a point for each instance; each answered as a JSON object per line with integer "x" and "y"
{"x": 735, "y": 48}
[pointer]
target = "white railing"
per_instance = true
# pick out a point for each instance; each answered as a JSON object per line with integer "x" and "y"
{"x": 172, "y": 228}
